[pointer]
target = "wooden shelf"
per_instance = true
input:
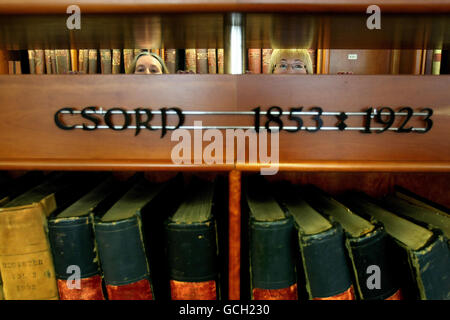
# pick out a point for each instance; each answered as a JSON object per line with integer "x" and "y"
{"x": 31, "y": 140}
{"x": 184, "y": 6}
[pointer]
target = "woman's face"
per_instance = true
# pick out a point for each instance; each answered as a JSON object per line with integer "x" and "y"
{"x": 290, "y": 65}
{"x": 148, "y": 65}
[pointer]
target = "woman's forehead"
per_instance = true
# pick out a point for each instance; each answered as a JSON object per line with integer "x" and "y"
{"x": 148, "y": 59}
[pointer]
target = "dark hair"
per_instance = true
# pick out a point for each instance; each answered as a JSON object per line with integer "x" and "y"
{"x": 132, "y": 68}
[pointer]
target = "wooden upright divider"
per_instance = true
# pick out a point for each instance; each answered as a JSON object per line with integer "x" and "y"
{"x": 234, "y": 264}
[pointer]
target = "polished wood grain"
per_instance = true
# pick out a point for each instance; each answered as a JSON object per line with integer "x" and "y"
{"x": 29, "y": 139}
{"x": 132, "y": 6}
{"x": 234, "y": 235}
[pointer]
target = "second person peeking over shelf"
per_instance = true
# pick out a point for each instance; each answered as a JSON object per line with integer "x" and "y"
{"x": 148, "y": 63}
{"x": 291, "y": 61}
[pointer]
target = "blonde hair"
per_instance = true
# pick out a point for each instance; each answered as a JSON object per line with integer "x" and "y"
{"x": 132, "y": 67}
{"x": 302, "y": 54}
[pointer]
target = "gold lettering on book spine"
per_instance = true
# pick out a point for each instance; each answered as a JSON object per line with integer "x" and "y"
{"x": 26, "y": 263}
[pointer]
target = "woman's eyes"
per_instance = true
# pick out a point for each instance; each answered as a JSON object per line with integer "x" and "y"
{"x": 298, "y": 66}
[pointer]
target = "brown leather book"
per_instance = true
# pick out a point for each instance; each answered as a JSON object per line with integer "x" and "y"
{"x": 128, "y": 59}
{"x": 93, "y": 61}
{"x": 212, "y": 61}
{"x": 105, "y": 61}
{"x": 32, "y": 61}
{"x": 191, "y": 60}
{"x": 220, "y": 63}
{"x": 18, "y": 67}
{"x": 48, "y": 61}
{"x": 53, "y": 60}
{"x": 254, "y": 60}
{"x": 80, "y": 60}
{"x": 202, "y": 61}
{"x": 39, "y": 61}
{"x": 11, "y": 67}
{"x": 115, "y": 61}
{"x": 266, "y": 54}
{"x": 62, "y": 61}
{"x": 428, "y": 61}
{"x": 170, "y": 58}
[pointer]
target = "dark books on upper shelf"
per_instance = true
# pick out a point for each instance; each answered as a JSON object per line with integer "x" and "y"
{"x": 422, "y": 253}
{"x": 73, "y": 244}
{"x": 322, "y": 248}
{"x": 367, "y": 244}
{"x": 26, "y": 263}
{"x": 272, "y": 247}
{"x": 129, "y": 235}
{"x": 192, "y": 251}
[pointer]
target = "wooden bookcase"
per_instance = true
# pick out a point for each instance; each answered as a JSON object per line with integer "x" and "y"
{"x": 335, "y": 161}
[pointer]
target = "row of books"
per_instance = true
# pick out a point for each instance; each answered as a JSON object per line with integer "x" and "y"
{"x": 346, "y": 247}
{"x": 80, "y": 235}
{"x": 114, "y": 61}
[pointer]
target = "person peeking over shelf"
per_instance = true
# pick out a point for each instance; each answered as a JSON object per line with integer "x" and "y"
{"x": 148, "y": 63}
{"x": 290, "y": 61}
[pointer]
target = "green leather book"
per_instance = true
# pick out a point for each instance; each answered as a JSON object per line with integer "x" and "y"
{"x": 425, "y": 252}
{"x": 272, "y": 246}
{"x": 322, "y": 248}
{"x": 191, "y": 245}
{"x": 129, "y": 236}
{"x": 73, "y": 243}
{"x": 367, "y": 245}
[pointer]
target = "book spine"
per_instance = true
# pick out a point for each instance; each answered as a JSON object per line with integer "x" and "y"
{"x": 18, "y": 67}
{"x": 65, "y": 235}
{"x": 92, "y": 61}
{"x": 53, "y": 60}
{"x": 32, "y": 61}
{"x": 272, "y": 262}
{"x": 120, "y": 242}
{"x": 212, "y": 61}
{"x": 62, "y": 61}
{"x": 105, "y": 61}
{"x": 220, "y": 61}
{"x": 48, "y": 62}
{"x": 128, "y": 59}
{"x": 266, "y": 55}
{"x": 85, "y": 61}
{"x": 26, "y": 263}
{"x": 373, "y": 250}
{"x": 191, "y": 60}
{"x": 324, "y": 262}
{"x": 436, "y": 64}
{"x": 254, "y": 60}
{"x": 202, "y": 61}
{"x": 11, "y": 67}
{"x": 81, "y": 60}
{"x": 171, "y": 60}
{"x": 39, "y": 62}
{"x": 191, "y": 251}
{"x": 115, "y": 61}
{"x": 73, "y": 60}
{"x": 431, "y": 266}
